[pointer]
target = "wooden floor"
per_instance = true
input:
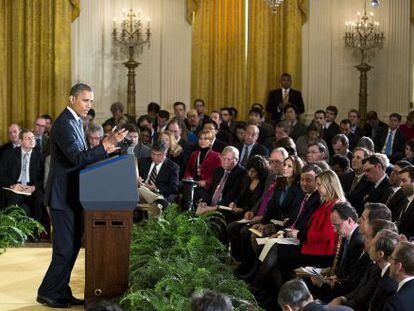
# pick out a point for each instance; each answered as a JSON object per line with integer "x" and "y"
{"x": 21, "y": 272}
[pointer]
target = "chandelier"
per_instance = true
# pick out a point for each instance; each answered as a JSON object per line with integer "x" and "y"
{"x": 274, "y": 4}
{"x": 364, "y": 34}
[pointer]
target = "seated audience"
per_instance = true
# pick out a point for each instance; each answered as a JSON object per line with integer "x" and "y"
{"x": 180, "y": 133}
{"x": 391, "y": 142}
{"x": 87, "y": 121}
{"x": 201, "y": 165}
{"x": 288, "y": 144}
{"x": 42, "y": 140}
{"x": 367, "y": 143}
{"x": 239, "y": 132}
{"x": 194, "y": 125}
{"x": 175, "y": 151}
{"x": 341, "y": 166}
{"x": 375, "y": 126}
{"x": 397, "y": 200}
{"x": 355, "y": 118}
{"x": 340, "y": 145}
{"x": 153, "y": 109}
{"x": 319, "y": 116}
{"x": 312, "y": 137}
{"x": 223, "y": 135}
{"x": 256, "y": 115}
{"x": 406, "y": 217}
{"x": 13, "y": 135}
{"x": 218, "y": 144}
{"x": 162, "y": 120}
{"x": 228, "y": 123}
{"x": 297, "y": 128}
{"x": 49, "y": 120}
{"x": 117, "y": 110}
{"x": 180, "y": 112}
{"x": 199, "y": 106}
{"x": 375, "y": 173}
{"x": 158, "y": 173}
{"x": 409, "y": 151}
{"x": 407, "y": 128}
{"x": 281, "y": 130}
{"x": 250, "y": 146}
{"x": 316, "y": 152}
{"x": 331, "y": 128}
{"x": 94, "y": 134}
{"x": 402, "y": 271}
{"x": 137, "y": 148}
{"x": 144, "y": 123}
{"x": 294, "y": 295}
{"x": 353, "y": 138}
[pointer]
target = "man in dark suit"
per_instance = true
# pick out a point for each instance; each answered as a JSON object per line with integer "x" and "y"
{"x": 353, "y": 138}
{"x": 250, "y": 146}
{"x": 331, "y": 128}
{"x": 280, "y": 97}
{"x": 42, "y": 141}
{"x": 297, "y": 128}
{"x": 375, "y": 173}
{"x": 294, "y": 295}
{"x": 397, "y": 200}
{"x": 374, "y": 126}
{"x": 158, "y": 173}
{"x": 13, "y": 133}
{"x": 340, "y": 145}
{"x": 355, "y": 184}
{"x": 69, "y": 154}
{"x": 355, "y": 118}
{"x": 391, "y": 142}
{"x": 22, "y": 170}
{"x": 266, "y": 130}
{"x": 406, "y": 216}
{"x": 175, "y": 126}
{"x": 402, "y": 271}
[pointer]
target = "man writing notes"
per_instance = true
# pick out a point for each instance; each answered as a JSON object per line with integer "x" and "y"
{"x": 69, "y": 153}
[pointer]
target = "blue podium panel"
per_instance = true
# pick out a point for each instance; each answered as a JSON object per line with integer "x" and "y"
{"x": 109, "y": 185}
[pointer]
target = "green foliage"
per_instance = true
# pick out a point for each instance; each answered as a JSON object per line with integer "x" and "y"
{"x": 173, "y": 257}
{"x": 16, "y": 227}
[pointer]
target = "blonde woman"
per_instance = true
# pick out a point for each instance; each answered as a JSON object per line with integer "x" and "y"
{"x": 175, "y": 151}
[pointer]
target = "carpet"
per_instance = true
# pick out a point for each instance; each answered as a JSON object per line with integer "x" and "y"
{"x": 21, "y": 272}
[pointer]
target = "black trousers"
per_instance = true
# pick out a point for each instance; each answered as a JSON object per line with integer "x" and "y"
{"x": 67, "y": 229}
{"x": 32, "y": 205}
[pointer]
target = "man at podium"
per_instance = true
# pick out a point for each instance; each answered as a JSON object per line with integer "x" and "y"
{"x": 69, "y": 153}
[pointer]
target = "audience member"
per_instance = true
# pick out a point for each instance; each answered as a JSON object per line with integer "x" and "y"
{"x": 331, "y": 128}
{"x": 137, "y": 148}
{"x": 409, "y": 151}
{"x": 341, "y": 166}
{"x": 218, "y": 144}
{"x": 375, "y": 173}
{"x": 340, "y": 145}
{"x": 407, "y": 128}
{"x": 94, "y": 134}
{"x": 397, "y": 200}
{"x": 316, "y": 152}
{"x": 355, "y": 118}
{"x": 256, "y": 115}
{"x": 194, "y": 125}
{"x": 175, "y": 151}
{"x": 239, "y": 132}
{"x": 281, "y": 130}
{"x": 406, "y": 217}
{"x": 162, "y": 120}
{"x": 297, "y": 128}
{"x": 250, "y": 146}
{"x": 391, "y": 142}
{"x": 312, "y": 137}
{"x": 178, "y": 129}
{"x": 180, "y": 112}
{"x": 153, "y": 109}
{"x": 39, "y": 132}
{"x": 117, "y": 110}
{"x": 13, "y": 135}
{"x": 199, "y": 106}
{"x": 49, "y": 121}
{"x": 210, "y": 301}
{"x": 144, "y": 122}
{"x": 375, "y": 127}
{"x": 367, "y": 143}
{"x": 353, "y": 138}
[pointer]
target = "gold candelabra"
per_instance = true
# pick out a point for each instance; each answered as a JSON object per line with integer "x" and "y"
{"x": 364, "y": 36}
{"x": 274, "y": 5}
{"x": 130, "y": 33}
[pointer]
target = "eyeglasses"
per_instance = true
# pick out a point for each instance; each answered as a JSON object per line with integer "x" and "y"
{"x": 29, "y": 138}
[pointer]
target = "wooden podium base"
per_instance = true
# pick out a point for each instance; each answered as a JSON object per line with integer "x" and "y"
{"x": 107, "y": 249}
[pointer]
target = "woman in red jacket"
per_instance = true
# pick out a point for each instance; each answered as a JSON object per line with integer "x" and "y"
{"x": 317, "y": 247}
{"x": 201, "y": 165}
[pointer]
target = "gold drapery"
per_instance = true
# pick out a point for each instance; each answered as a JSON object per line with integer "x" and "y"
{"x": 275, "y": 46}
{"x": 218, "y": 54}
{"x": 412, "y": 11}
{"x": 221, "y": 73}
{"x": 35, "y": 59}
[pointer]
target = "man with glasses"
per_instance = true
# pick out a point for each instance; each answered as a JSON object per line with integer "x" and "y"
{"x": 21, "y": 169}
{"x": 375, "y": 173}
{"x": 39, "y": 131}
{"x": 402, "y": 271}
{"x": 158, "y": 173}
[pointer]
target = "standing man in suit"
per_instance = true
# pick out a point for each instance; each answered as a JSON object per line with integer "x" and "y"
{"x": 402, "y": 271}
{"x": 22, "y": 169}
{"x": 14, "y": 142}
{"x": 279, "y": 98}
{"x": 69, "y": 153}
{"x": 250, "y": 146}
{"x": 158, "y": 173}
{"x": 375, "y": 173}
{"x": 405, "y": 219}
{"x": 391, "y": 143}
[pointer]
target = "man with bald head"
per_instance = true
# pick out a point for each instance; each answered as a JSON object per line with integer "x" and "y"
{"x": 250, "y": 146}
{"x": 13, "y": 135}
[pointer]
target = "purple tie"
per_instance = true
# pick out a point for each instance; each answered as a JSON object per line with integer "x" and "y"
{"x": 266, "y": 198}
{"x": 219, "y": 190}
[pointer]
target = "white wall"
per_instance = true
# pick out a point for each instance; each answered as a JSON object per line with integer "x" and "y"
{"x": 165, "y": 73}
{"x": 328, "y": 73}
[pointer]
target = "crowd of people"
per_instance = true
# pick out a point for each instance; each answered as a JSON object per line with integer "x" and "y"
{"x": 341, "y": 193}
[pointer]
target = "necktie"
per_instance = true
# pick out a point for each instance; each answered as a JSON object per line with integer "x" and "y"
{"x": 24, "y": 169}
{"x": 301, "y": 210}
{"x": 285, "y": 96}
{"x": 245, "y": 156}
{"x": 80, "y": 125}
{"x": 354, "y": 183}
{"x": 39, "y": 144}
{"x": 266, "y": 198}
{"x": 219, "y": 190}
{"x": 388, "y": 144}
{"x": 153, "y": 175}
{"x": 345, "y": 252}
{"x": 403, "y": 211}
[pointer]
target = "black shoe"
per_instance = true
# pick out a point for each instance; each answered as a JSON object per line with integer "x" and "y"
{"x": 76, "y": 302}
{"x": 58, "y": 303}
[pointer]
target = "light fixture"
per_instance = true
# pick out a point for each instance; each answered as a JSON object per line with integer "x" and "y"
{"x": 274, "y": 4}
{"x": 375, "y": 3}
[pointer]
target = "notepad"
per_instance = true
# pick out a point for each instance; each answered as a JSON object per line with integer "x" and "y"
{"x": 243, "y": 221}
{"x": 277, "y": 222}
{"x": 17, "y": 191}
{"x": 257, "y": 232}
{"x": 148, "y": 195}
{"x": 226, "y": 208}
{"x": 272, "y": 241}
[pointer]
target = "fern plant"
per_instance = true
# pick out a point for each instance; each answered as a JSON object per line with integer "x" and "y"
{"x": 173, "y": 257}
{"x": 16, "y": 227}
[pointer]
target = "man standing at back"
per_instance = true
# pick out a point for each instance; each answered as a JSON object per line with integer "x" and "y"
{"x": 69, "y": 153}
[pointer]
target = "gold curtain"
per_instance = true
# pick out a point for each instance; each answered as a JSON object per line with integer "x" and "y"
{"x": 412, "y": 11}
{"x": 218, "y": 54}
{"x": 274, "y": 46}
{"x": 35, "y": 59}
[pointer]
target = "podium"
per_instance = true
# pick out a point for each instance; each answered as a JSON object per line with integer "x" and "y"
{"x": 108, "y": 193}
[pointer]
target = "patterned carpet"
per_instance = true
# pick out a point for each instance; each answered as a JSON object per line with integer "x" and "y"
{"x": 21, "y": 272}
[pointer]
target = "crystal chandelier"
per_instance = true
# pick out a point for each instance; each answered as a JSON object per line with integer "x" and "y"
{"x": 274, "y": 4}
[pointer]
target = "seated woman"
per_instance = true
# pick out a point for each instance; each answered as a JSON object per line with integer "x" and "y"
{"x": 201, "y": 165}
{"x": 313, "y": 136}
{"x": 316, "y": 247}
{"x": 175, "y": 151}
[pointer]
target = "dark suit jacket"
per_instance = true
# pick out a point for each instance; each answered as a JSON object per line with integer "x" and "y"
{"x": 298, "y": 130}
{"x": 402, "y": 300}
{"x": 266, "y": 131}
{"x": 187, "y": 149}
{"x": 398, "y": 145}
{"x": 359, "y": 131}
{"x": 257, "y": 149}
{"x": 218, "y": 145}
{"x": 68, "y": 155}
{"x": 386, "y": 287}
{"x": 382, "y": 127}
{"x": 379, "y": 194}
{"x": 11, "y": 165}
{"x": 275, "y": 98}
{"x": 353, "y": 140}
{"x": 362, "y": 188}
{"x": 361, "y": 295}
{"x": 406, "y": 223}
{"x": 231, "y": 190}
{"x": 396, "y": 202}
{"x": 313, "y": 306}
{"x": 329, "y": 133}
{"x": 167, "y": 178}
{"x": 5, "y": 147}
